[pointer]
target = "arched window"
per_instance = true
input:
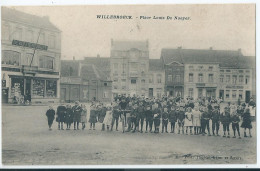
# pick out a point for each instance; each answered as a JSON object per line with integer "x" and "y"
{"x": 11, "y": 57}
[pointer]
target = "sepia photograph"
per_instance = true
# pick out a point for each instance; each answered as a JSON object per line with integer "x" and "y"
{"x": 115, "y": 85}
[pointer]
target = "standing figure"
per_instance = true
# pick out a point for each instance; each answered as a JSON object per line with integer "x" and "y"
{"x": 69, "y": 117}
{"x": 225, "y": 120}
{"x": 50, "y": 116}
{"x": 196, "y": 120}
{"x": 235, "y": 125}
{"x": 140, "y": 116}
{"x": 61, "y": 112}
{"x": 93, "y": 116}
{"x": 156, "y": 119}
{"x": 188, "y": 120}
{"x": 172, "y": 118}
{"x": 83, "y": 116}
{"x": 215, "y": 120}
{"x": 108, "y": 117}
{"x": 133, "y": 115}
{"x": 246, "y": 124}
{"x": 115, "y": 114}
{"x": 180, "y": 119}
{"x": 165, "y": 117}
{"x": 76, "y": 114}
{"x": 149, "y": 119}
{"x": 205, "y": 121}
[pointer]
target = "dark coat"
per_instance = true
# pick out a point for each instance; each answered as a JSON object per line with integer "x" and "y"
{"x": 61, "y": 113}
{"x": 102, "y": 114}
{"x": 116, "y": 112}
{"x": 76, "y": 112}
{"x": 149, "y": 115}
{"x": 246, "y": 121}
{"x": 215, "y": 115}
{"x": 172, "y": 116}
{"x": 69, "y": 115}
{"x": 50, "y": 114}
{"x": 93, "y": 116}
{"x": 225, "y": 119}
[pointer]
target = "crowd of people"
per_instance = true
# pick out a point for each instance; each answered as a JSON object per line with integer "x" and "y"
{"x": 187, "y": 115}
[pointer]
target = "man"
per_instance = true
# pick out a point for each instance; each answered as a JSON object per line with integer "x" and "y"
{"x": 157, "y": 115}
{"x": 140, "y": 116}
{"x": 149, "y": 119}
{"x": 215, "y": 120}
{"x": 205, "y": 121}
{"x": 50, "y": 116}
{"x": 115, "y": 114}
{"x": 180, "y": 119}
{"x": 123, "y": 107}
{"x": 225, "y": 120}
{"x": 76, "y": 112}
{"x": 61, "y": 112}
{"x": 132, "y": 120}
{"x": 172, "y": 118}
{"x": 165, "y": 116}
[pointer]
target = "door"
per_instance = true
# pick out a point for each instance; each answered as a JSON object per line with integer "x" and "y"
{"x": 221, "y": 94}
{"x": 247, "y": 96}
{"x": 5, "y": 95}
{"x": 28, "y": 90}
{"x": 150, "y": 92}
{"x": 63, "y": 94}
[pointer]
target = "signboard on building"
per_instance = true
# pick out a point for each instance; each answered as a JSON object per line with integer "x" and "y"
{"x": 235, "y": 87}
{"x": 29, "y": 45}
{"x": 70, "y": 80}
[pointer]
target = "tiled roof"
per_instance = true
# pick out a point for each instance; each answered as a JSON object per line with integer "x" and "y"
{"x": 225, "y": 58}
{"x": 91, "y": 72}
{"x": 155, "y": 65}
{"x": 69, "y": 68}
{"x": 102, "y": 63}
{"x": 18, "y": 16}
{"x": 128, "y": 45}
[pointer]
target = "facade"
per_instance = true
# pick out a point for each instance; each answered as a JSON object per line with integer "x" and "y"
{"x": 213, "y": 73}
{"x": 31, "y": 50}
{"x": 129, "y": 64}
{"x": 156, "y": 77}
{"x": 83, "y": 82}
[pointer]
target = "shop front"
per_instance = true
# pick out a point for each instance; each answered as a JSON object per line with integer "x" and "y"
{"x": 206, "y": 90}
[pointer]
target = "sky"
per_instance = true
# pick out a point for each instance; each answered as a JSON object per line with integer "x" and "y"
{"x": 222, "y": 27}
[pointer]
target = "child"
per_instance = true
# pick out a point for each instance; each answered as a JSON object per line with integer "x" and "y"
{"x": 205, "y": 121}
{"x": 235, "y": 125}
{"x": 108, "y": 117}
{"x": 215, "y": 120}
{"x": 69, "y": 117}
{"x": 116, "y": 113}
{"x": 61, "y": 112}
{"x": 225, "y": 120}
{"x": 92, "y": 117}
{"x": 50, "y": 116}
{"x": 165, "y": 117}
{"x": 246, "y": 122}
{"x": 196, "y": 120}
{"x": 157, "y": 116}
{"x": 83, "y": 116}
{"x": 180, "y": 119}
{"x": 149, "y": 119}
{"x": 188, "y": 120}
{"x": 172, "y": 118}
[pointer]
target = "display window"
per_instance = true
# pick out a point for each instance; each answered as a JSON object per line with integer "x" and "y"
{"x": 51, "y": 88}
{"x": 17, "y": 87}
{"x": 38, "y": 88}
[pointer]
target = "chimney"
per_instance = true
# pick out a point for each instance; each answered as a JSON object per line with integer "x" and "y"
{"x": 98, "y": 56}
{"x": 73, "y": 58}
{"x": 210, "y": 48}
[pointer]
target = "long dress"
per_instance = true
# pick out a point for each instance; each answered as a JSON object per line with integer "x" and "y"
{"x": 108, "y": 118}
{"x": 188, "y": 119}
{"x": 83, "y": 115}
{"x": 196, "y": 118}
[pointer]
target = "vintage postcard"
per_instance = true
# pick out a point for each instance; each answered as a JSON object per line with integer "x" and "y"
{"x": 169, "y": 84}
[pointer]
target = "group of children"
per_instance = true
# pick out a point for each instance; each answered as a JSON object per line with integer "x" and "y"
{"x": 189, "y": 116}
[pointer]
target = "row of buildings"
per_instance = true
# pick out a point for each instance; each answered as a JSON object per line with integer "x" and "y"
{"x": 32, "y": 68}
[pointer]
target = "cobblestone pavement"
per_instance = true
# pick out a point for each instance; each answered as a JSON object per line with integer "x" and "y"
{"x": 27, "y": 141}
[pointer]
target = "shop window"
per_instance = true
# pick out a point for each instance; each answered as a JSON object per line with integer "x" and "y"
{"x": 227, "y": 94}
{"x": 169, "y": 78}
{"x": 200, "y": 78}
{"x": 159, "y": 92}
{"x": 17, "y": 87}
{"x": 234, "y": 79}
{"x": 5, "y": 32}
{"x": 190, "y": 92}
{"x": 190, "y": 77}
{"x": 241, "y": 94}
{"x": 38, "y": 88}
{"x": 234, "y": 94}
{"x": 75, "y": 93}
{"x": 200, "y": 92}
{"x": 241, "y": 79}
{"x": 228, "y": 78}
{"x": 51, "y": 88}
{"x": 247, "y": 79}
{"x": 46, "y": 62}
{"x": 211, "y": 80}
{"x": 11, "y": 57}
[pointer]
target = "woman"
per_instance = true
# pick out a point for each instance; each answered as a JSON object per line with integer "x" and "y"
{"x": 69, "y": 116}
{"x": 83, "y": 116}
{"x": 246, "y": 124}
{"x": 188, "y": 120}
{"x": 93, "y": 117}
{"x": 196, "y": 120}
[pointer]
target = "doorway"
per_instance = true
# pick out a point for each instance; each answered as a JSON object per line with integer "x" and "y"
{"x": 4, "y": 95}
{"x": 27, "y": 90}
{"x": 221, "y": 94}
{"x": 247, "y": 96}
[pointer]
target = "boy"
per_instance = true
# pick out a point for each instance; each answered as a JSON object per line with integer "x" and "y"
{"x": 50, "y": 116}
{"x": 180, "y": 119}
{"x": 116, "y": 113}
{"x": 225, "y": 120}
{"x": 140, "y": 116}
{"x": 149, "y": 119}
{"x": 172, "y": 118}
{"x": 215, "y": 120}
{"x": 205, "y": 121}
{"x": 157, "y": 115}
{"x": 235, "y": 125}
{"x": 61, "y": 112}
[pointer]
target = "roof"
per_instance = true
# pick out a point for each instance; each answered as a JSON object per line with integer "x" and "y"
{"x": 91, "y": 72}
{"x": 102, "y": 63}
{"x": 155, "y": 65}
{"x": 225, "y": 58}
{"x": 33, "y": 20}
{"x": 69, "y": 68}
{"x": 128, "y": 45}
